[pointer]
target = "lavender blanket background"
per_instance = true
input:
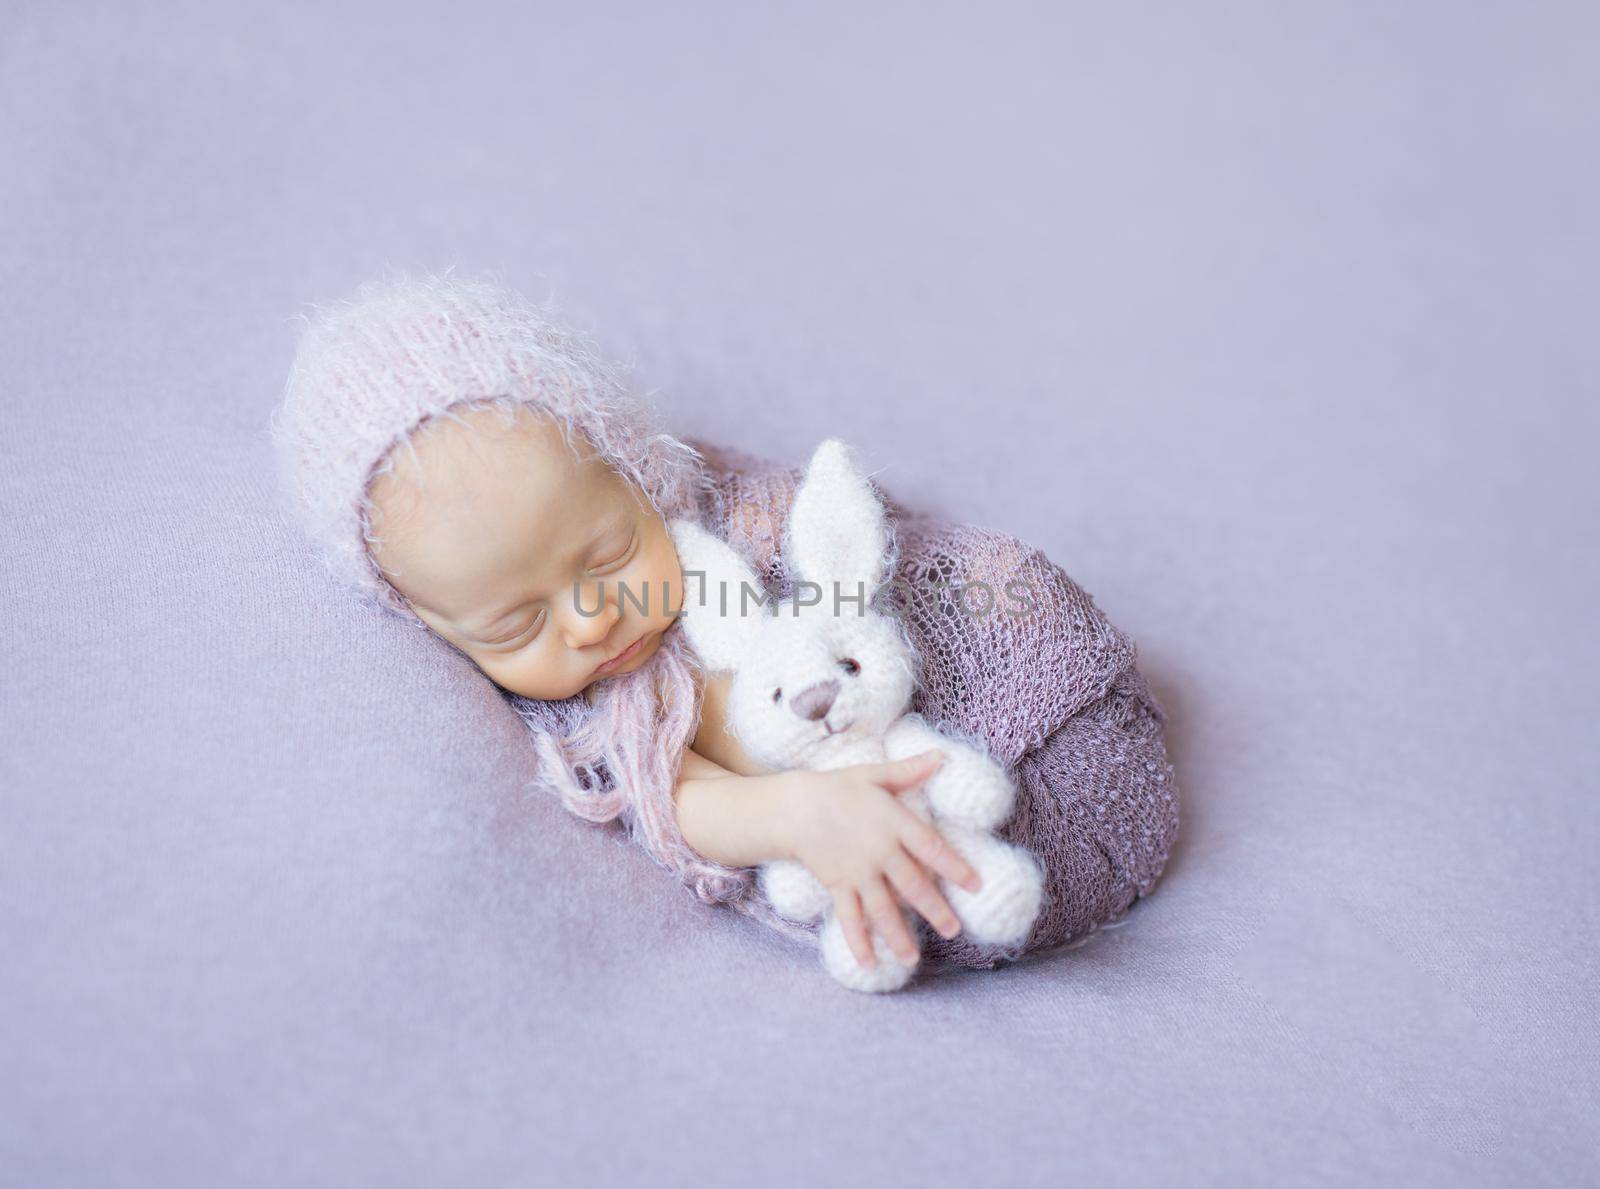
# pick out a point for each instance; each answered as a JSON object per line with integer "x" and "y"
{"x": 1273, "y": 326}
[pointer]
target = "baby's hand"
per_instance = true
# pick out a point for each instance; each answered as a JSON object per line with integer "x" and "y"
{"x": 851, "y": 831}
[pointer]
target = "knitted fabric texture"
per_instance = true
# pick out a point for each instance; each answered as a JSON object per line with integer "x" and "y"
{"x": 372, "y": 369}
{"x": 1053, "y": 694}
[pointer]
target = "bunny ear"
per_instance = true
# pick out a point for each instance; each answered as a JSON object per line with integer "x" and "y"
{"x": 837, "y": 530}
{"x": 719, "y": 619}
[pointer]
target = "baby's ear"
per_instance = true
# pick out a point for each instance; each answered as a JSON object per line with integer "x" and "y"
{"x": 720, "y": 619}
{"x": 837, "y": 530}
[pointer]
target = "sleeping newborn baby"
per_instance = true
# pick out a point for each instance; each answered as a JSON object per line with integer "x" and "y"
{"x": 470, "y": 466}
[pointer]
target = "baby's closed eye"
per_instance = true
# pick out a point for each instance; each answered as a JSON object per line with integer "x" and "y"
{"x": 517, "y": 634}
{"x": 614, "y": 556}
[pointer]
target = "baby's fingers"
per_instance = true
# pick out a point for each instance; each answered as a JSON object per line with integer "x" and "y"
{"x": 891, "y": 926}
{"x": 914, "y": 886}
{"x": 847, "y": 907}
{"x": 899, "y": 775}
{"x": 927, "y": 844}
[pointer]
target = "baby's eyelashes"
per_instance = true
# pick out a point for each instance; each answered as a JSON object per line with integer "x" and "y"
{"x": 616, "y": 560}
{"x": 517, "y": 635}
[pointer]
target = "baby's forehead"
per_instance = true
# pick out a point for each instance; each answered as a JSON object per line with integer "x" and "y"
{"x": 482, "y": 457}
{"x": 468, "y": 502}
{"x": 480, "y": 445}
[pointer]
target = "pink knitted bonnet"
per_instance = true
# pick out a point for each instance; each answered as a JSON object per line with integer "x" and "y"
{"x": 371, "y": 369}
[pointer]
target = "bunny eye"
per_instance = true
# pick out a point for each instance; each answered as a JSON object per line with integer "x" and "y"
{"x": 777, "y": 694}
{"x": 850, "y": 665}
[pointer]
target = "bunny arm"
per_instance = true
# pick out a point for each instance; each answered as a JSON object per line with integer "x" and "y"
{"x": 793, "y": 891}
{"x": 969, "y": 788}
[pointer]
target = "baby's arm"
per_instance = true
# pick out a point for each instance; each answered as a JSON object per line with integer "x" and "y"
{"x": 738, "y": 821}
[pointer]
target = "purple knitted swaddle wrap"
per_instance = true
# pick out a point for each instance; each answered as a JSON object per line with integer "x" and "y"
{"x": 1053, "y": 694}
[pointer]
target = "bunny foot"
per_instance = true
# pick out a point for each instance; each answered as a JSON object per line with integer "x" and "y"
{"x": 1003, "y": 910}
{"x": 890, "y": 974}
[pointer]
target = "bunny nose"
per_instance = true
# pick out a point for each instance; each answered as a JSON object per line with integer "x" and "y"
{"x": 815, "y": 700}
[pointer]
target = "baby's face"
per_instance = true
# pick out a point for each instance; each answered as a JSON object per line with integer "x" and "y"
{"x": 539, "y": 565}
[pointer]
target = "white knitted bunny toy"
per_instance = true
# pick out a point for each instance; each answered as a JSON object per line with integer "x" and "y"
{"x": 822, "y": 680}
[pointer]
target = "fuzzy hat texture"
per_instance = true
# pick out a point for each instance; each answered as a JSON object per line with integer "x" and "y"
{"x": 371, "y": 369}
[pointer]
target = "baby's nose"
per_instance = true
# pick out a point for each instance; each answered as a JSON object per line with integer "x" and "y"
{"x": 591, "y": 627}
{"x": 815, "y": 700}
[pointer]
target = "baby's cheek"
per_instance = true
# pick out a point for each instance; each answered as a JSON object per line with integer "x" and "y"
{"x": 523, "y": 673}
{"x": 662, "y": 577}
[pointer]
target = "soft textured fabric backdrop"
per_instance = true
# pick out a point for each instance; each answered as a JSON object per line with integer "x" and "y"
{"x": 1272, "y": 324}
